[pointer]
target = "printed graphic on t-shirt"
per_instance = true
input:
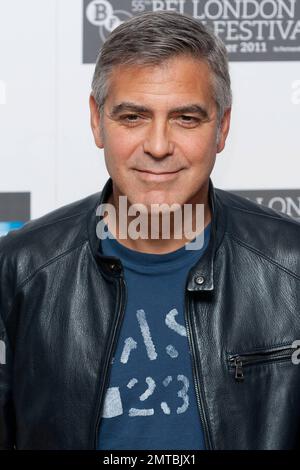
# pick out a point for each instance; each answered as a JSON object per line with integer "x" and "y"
{"x": 114, "y": 403}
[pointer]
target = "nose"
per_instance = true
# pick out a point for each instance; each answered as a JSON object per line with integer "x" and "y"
{"x": 157, "y": 141}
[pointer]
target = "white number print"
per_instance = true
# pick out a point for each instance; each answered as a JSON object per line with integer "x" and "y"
{"x": 113, "y": 405}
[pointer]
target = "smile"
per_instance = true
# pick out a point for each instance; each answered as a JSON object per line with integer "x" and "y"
{"x": 152, "y": 176}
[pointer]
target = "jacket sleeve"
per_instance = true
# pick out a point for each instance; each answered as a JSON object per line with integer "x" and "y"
{"x": 7, "y": 415}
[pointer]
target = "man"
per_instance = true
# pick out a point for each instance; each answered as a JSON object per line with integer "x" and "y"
{"x": 115, "y": 342}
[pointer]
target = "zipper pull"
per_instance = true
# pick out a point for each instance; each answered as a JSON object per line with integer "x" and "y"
{"x": 239, "y": 376}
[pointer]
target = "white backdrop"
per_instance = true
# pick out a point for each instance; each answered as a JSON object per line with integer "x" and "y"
{"x": 46, "y": 145}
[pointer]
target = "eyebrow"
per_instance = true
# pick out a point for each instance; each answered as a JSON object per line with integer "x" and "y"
{"x": 194, "y": 108}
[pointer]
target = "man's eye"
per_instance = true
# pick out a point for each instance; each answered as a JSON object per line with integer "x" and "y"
{"x": 130, "y": 118}
{"x": 189, "y": 119}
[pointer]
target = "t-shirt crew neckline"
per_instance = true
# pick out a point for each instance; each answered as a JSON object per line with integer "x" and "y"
{"x": 151, "y": 261}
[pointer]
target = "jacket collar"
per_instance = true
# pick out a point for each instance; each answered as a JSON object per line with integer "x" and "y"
{"x": 201, "y": 276}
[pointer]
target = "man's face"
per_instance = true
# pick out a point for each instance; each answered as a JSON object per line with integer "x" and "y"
{"x": 160, "y": 132}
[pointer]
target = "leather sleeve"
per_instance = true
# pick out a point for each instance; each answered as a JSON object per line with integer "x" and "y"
{"x": 7, "y": 415}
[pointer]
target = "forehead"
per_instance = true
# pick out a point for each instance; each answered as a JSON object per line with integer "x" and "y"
{"x": 176, "y": 80}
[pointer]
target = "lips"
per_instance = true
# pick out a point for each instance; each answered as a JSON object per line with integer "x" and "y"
{"x": 161, "y": 173}
{"x": 155, "y": 177}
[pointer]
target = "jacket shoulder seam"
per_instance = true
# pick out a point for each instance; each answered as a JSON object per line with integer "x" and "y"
{"x": 48, "y": 263}
{"x": 40, "y": 227}
{"x": 257, "y": 252}
{"x": 31, "y": 276}
{"x": 55, "y": 221}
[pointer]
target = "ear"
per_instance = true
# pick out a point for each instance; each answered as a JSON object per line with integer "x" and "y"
{"x": 224, "y": 129}
{"x": 96, "y": 123}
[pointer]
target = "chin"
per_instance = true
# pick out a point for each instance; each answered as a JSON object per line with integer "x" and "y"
{"x": 161, "y": 198}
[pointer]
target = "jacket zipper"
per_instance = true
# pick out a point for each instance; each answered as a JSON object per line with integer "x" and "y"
{"x": 199, "y": 398}
{"x": 239, "y": 361}
{"x": 121, "y": 310}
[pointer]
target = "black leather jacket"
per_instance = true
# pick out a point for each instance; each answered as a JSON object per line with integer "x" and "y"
{"x": 61, "y": 307}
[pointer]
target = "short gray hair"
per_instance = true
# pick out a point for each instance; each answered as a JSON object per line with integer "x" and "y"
{"x": 154, "y": 37}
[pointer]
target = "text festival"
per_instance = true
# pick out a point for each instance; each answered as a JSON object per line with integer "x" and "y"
{"x": 241, "y": 20}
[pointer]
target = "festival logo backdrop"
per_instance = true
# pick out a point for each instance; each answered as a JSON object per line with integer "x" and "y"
{"x": 253, "y": 30}
{"x": 14, "y": 211}
{"x": 286, "y": 201}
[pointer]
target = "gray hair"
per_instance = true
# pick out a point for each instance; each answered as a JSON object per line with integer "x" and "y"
{"x": 153, "y": 37}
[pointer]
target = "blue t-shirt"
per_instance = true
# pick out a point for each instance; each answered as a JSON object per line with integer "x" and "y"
{"x": 150, "y": 402}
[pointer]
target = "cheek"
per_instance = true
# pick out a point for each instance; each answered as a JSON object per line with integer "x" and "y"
{"x": 117, "y": 153}
{"x": 200, "y": 144}
{"x": 200, "y": 152}
{"x": 121, "y": 145}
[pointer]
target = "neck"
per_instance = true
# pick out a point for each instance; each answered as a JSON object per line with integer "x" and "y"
{"x": 181, "y": 228}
